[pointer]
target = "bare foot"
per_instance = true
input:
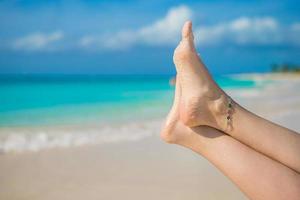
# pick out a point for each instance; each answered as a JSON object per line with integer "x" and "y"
{"x": 174, "y": 131}
{"x": 202, "y": 101}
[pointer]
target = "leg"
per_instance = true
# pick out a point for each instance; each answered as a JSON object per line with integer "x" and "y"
{"x": 264, "y": 136}
{"x": 258, "y": 176}
{"x": 205, "y": 103}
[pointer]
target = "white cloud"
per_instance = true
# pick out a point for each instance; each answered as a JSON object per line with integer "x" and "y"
{"x": 118, "y": 40}
{"x": 38, "y": 41}
{"x": 164, "y": 31}
{"x": 241, "y": 31}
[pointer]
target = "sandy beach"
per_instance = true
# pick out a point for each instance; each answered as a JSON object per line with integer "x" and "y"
{"x": 141, "y": 167}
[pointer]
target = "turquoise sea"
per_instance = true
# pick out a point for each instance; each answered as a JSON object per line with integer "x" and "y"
{"x": 29, "y": 100}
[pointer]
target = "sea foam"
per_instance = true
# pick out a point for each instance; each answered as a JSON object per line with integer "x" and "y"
{"x": 39, "y": 138}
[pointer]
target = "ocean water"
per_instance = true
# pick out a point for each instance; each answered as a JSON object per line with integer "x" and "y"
{"x": 58, "y": 111}
{"x": 33, "y": 100}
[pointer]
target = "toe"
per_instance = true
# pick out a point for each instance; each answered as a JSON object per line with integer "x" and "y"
{"x": 185, "y": 51}
{"x": 187, "y": 32}
{"x": 187, "y": 35}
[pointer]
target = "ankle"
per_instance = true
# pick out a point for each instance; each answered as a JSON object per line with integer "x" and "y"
{"x": 223, "y": 109}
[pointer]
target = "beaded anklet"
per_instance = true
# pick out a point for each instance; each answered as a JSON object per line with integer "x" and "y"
{"x": 229, "y": 110}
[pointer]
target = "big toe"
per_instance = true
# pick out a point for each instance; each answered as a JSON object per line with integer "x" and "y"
{"x": 187, "y": 35}
{"x": 186, "y": 48}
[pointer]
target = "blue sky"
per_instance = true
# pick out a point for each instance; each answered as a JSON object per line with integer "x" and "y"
{"x": 138, "y": 37}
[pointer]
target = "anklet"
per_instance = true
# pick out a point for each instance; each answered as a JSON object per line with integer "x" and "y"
{"x": 229, "y": 110}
